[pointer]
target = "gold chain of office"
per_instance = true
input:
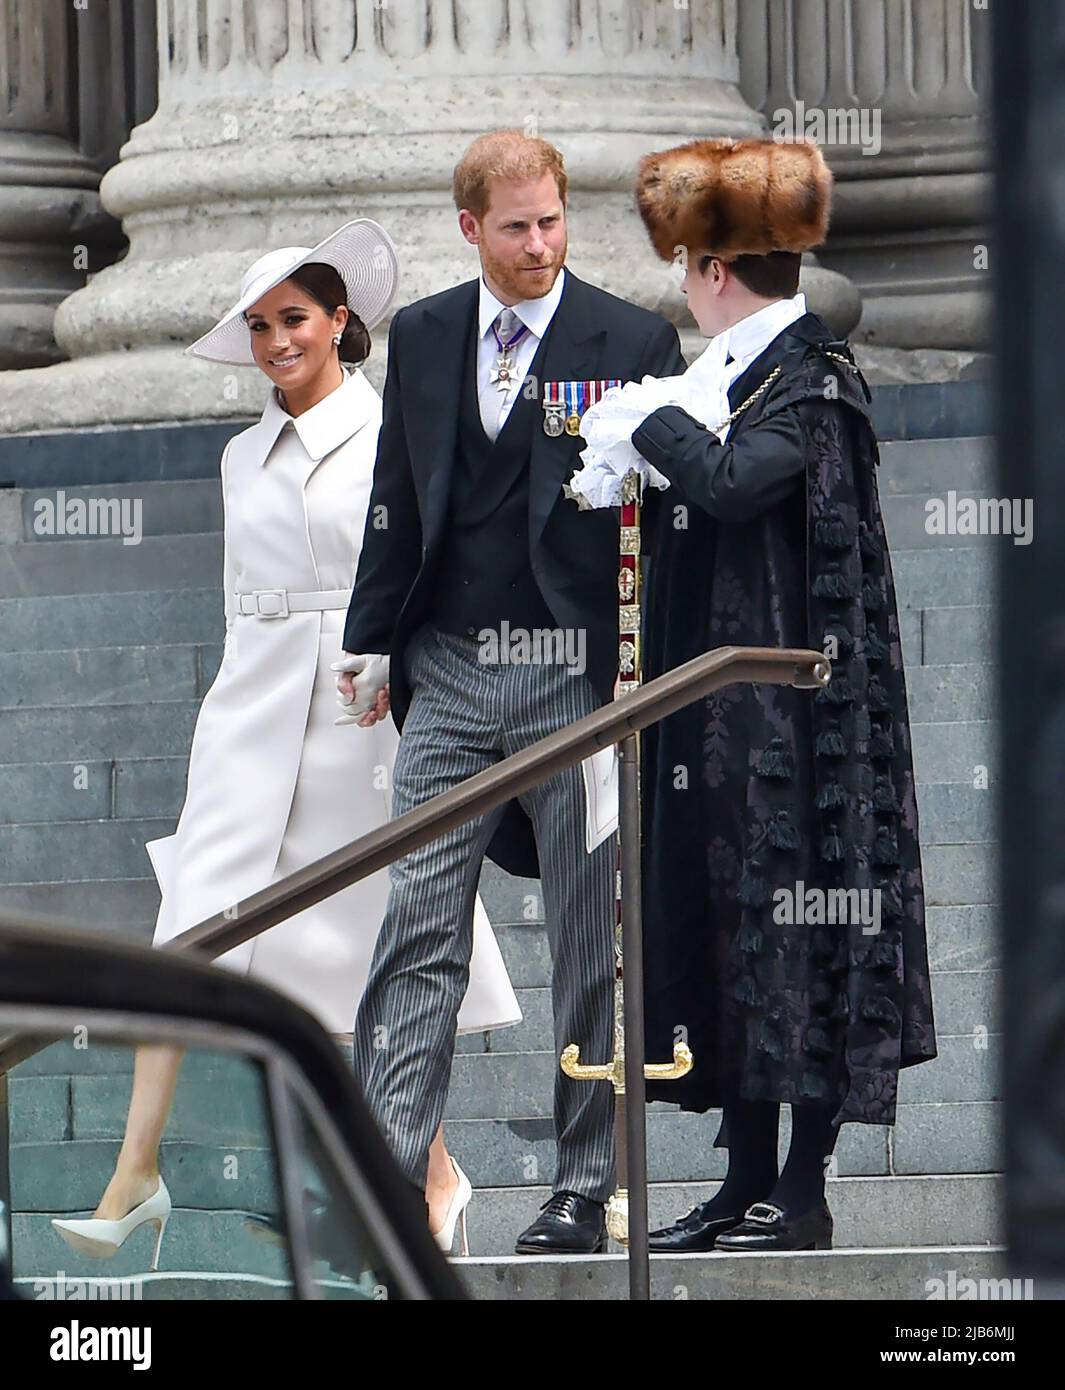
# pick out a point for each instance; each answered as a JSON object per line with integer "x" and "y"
{"x": 731, "y": 419}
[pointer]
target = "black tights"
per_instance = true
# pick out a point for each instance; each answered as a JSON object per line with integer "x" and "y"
{"x": 752, "y": 1157}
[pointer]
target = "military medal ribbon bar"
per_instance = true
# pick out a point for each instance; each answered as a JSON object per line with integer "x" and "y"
{"x": 566, "y": 401}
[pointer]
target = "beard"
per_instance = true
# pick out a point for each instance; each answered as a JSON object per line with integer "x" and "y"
{"x": 517, "y": 282}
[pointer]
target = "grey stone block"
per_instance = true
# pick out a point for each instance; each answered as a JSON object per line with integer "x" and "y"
{"x": 945, "y": 694}
{"x": 934, "y": 465}
{"x": 910, "y": 635}
{"x": 955, "y": 752}
{"x": 111, "y": 620}
{"x": 212, "y": 1241}
{"x": 509, "y": 900}
{"x": 99, "y": 676}
{"x": 39, "y": 1109}
{"x": 177, "y": 1288}
{"x": 150, "y": 787}
{"x": 957, "y": 875}
{"x": 520, "y": 1152}
{"x": 959, "y": 635}
{"x": 837, "y": 1275}
{"x": 963, "y": 938}
{"x": 105, "y": 848}
{"x": 126, "y": 908}
{"x": 942, "y": 576}
{"x": 966, "y": 1000}
{"x": 166, "y": 508}
{"x": 948, "y": 1137}
{"x": 70, "y": 1177}
{"x": 968, "y": 1068}
{"x": 214, "y": 1109}
{"x": 110, "y": 566}
{"x": 867, "y": 1213}
{"x": 82, "y": 1056}
{"x": 98, "y": 731}
{"x": 40, "y": 792}
{"x": 210, "y": 658}
{"x": 955, "y": 813}
{"x": 907, "y": 519}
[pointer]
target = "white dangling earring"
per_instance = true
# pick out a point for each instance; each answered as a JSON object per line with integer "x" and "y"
{"x": 336, "y": 340}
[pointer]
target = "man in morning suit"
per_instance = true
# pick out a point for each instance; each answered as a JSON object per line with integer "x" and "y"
{"x": 479, "y": 544}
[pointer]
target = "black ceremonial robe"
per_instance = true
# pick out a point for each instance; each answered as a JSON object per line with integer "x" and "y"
{"x": 760, "y": 793}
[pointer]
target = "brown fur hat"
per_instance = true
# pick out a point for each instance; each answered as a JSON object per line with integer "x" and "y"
{"x": 735, "y": 197}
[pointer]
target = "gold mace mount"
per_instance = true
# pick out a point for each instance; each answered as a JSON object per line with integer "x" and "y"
{"x": 614, "y": 1071}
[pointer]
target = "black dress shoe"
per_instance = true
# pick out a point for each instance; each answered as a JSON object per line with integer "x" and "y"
{"x": 568, "y": 1224}
{"x": 765, "y": 1227}
{"x": 694, "y": 1232}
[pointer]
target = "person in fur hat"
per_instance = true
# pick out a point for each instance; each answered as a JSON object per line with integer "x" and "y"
{"x": 783, "y": 914}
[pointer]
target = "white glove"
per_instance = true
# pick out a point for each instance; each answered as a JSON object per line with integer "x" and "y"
{"x": 372, "y": 673}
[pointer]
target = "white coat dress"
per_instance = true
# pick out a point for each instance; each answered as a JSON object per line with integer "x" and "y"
{"x": 273, "y": 782}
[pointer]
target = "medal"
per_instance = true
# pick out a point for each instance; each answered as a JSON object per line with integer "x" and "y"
{"x": 566, "y": 401}
{"x": 504, "y": 374}
{"x": 554, "y": 410}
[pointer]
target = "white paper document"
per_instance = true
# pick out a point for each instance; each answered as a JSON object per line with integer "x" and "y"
{"x": 601, "y": 795}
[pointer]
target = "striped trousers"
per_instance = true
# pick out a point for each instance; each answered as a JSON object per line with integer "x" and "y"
{"x": 466, "y": 714}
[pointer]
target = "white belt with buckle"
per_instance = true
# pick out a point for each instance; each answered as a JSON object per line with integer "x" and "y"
{"x": 279, "y": 603}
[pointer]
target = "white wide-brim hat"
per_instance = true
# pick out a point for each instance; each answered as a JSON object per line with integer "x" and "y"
{"x": 361, "y": 252}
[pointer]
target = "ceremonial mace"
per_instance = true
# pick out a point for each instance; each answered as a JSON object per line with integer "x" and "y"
{"x": 626, "y": 1212}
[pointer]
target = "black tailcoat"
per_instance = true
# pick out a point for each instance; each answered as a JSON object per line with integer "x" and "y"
{"x": 776, "y": 539}
{"x": 573, "y": 554}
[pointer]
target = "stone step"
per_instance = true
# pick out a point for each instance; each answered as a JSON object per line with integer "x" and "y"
{"x": 951, "y": 1136}
{"x": 98, "y": 732}
{"x": 964, "y": 1000}
{"x": 935, "y": 465}
{"x": 966, "y": 1069}
{"x": 212, "y": 1098}
{"x": 122, "y": 907}
{"x": 194, "y": 1240}
{"x": 108, "y": 675}
{"x": 933, "y": 1137}
{"x": 140, "y": 788}
{"x": 910, "y": 520}
{"x": 867, "y": 1213}
{"x": 943, "y": 576}
{"x": 174, "y": 671}
{"x": 949, "y": 636}
{"x": 69, "y": 1176}
{"x": 944, "y": 751}
{"x": 168, "y": 563}
{"x": 175, "y": 507}
{"x": 949, "y": 694}
{"x": 964, "y": 752}
{"x": 960, "y": 938}
{"x": 114, "y": 848}
{"x": 894, "y": 1274}
{"x": 61, "y": 622}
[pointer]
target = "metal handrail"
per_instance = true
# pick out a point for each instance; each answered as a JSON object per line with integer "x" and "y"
{"x": 481, "y": 793}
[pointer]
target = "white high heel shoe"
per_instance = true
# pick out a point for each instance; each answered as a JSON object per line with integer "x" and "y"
{"x": 456, "y": 1212}
{"x": 101, "y": 1238}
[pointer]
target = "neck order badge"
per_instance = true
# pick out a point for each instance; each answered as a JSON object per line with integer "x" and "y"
{"x": 566, "y": 401}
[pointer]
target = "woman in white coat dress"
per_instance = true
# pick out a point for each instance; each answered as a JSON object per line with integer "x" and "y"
{"x": 274, "y": 780}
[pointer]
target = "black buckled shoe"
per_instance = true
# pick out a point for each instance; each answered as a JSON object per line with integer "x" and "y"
{"x": 694, "y": 1232}
{"x": 568, "y": 1224}
{"x": 765, "y": 1227}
